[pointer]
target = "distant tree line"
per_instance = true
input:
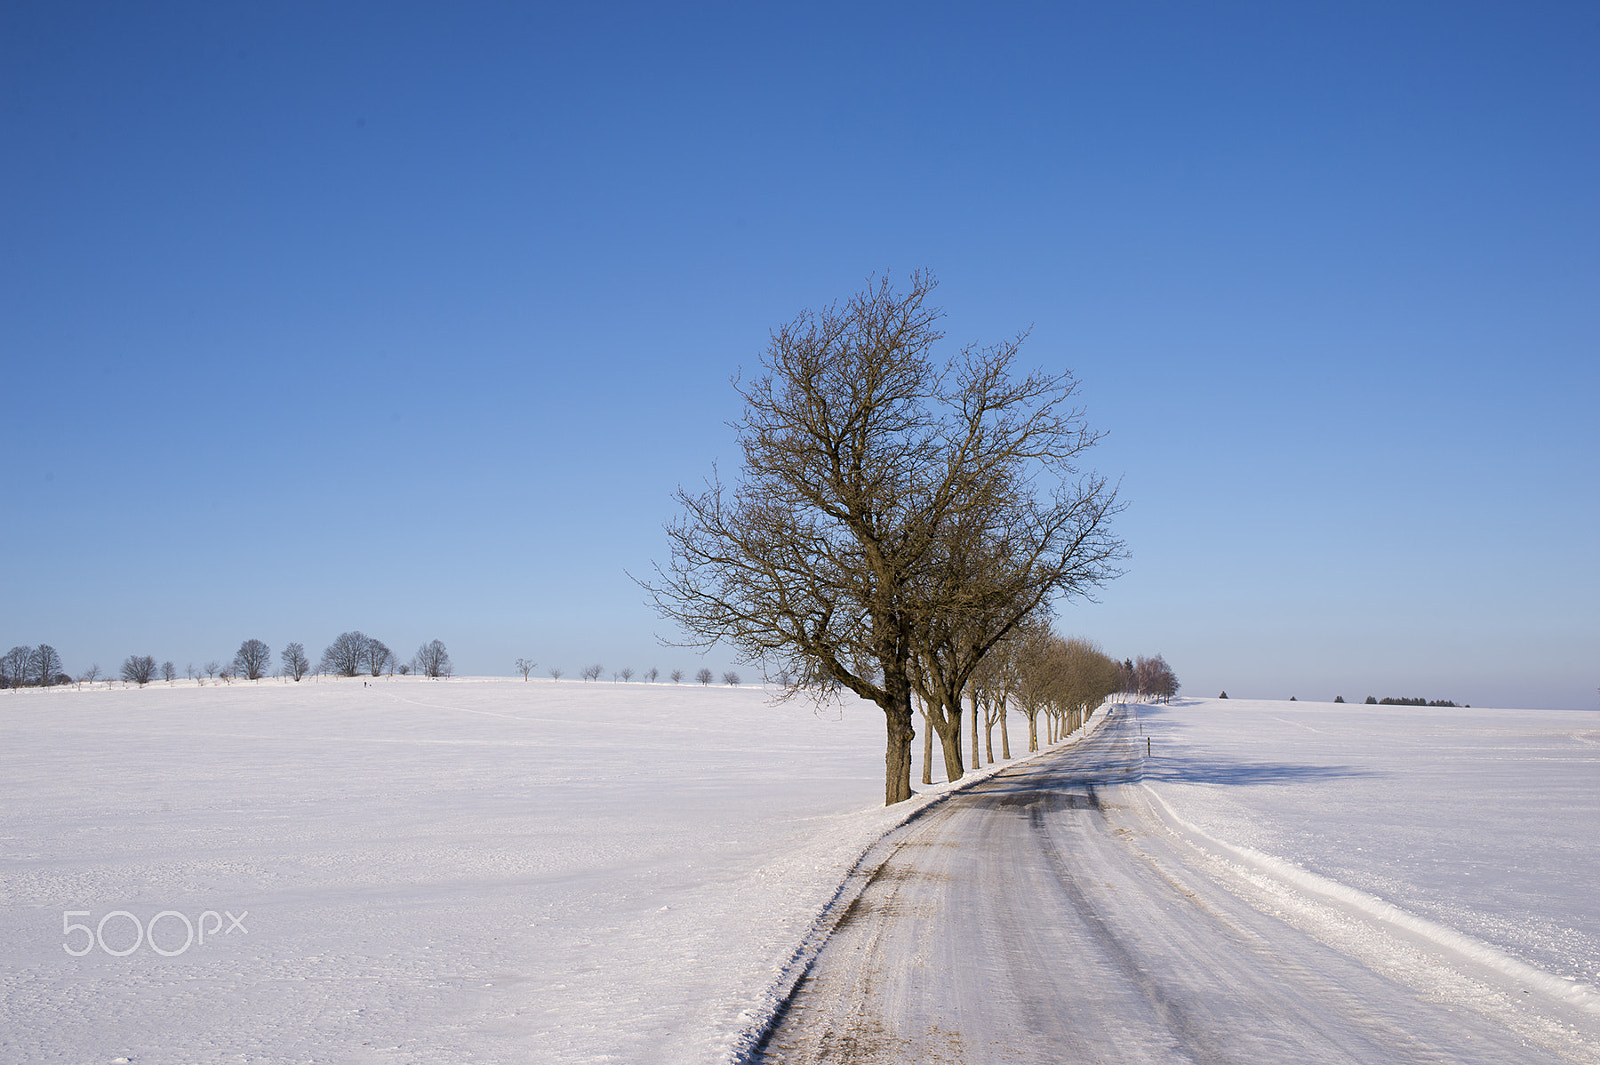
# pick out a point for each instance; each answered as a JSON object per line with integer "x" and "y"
{"x": 351, "y": 654}
{"x": 1390, "y": 700}
{"x": 626, "y": 674}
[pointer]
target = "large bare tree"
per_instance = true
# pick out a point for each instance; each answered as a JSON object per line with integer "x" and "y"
{"x": 432, "y": 660}
{"x": 376, "y": 657}
{"x": 252, "y": 660}
{"x": 346, "y": 656}
{"x": 45, "y": 665}
{"x": 865, "y": 458}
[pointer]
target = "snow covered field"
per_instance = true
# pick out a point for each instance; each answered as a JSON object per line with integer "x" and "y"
{"x": 498, "y": 870}
{"x": 450, "y": 871}
{"x": 1484, "y": 821}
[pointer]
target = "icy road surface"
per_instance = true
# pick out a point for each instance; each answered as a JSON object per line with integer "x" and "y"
{"x": 1060, "y": 912}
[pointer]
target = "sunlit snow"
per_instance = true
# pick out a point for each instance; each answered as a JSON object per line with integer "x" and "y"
{"x": 498, "y": 870}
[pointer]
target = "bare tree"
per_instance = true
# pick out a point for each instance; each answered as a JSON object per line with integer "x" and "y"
{"x": 169, "y": 672}
{"x": 139, "y": 669}
{"x": 525, "y": 666}
{"x": 555, "y": 674}
{"x": 627, "y": 673}
{"x": 347, "y": 655}
{"x": 376, "y": 657}
{"x": 89, "y": 676}
{"x": 676, "y": 675}
{"x": 14, "y": 667}
{"x": 212, "y": 667}
{"x": 45, "y": 665}
{"x": 730, "y": 678}
{"x": 651, "y": 674}
{"x": 704, "y": 675}
{"x": 432, "y": 660}
{"x": 864, "y": 460}
{"x": 1036, "y": 666}
{"x": 593, "y": 672}
{"x": 295, "y": 663}
{"x": 252, "y": 660}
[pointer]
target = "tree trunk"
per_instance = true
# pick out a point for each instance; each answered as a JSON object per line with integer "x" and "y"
{"x": 988, "y": 733}
{"x": 897, "y": 753}
{"x": 927, "y": 746}
{"x": 953, "y": 770}
{"x": 976, "y": 764}
{"x": 1033, "y": 730}
{"x": 1005, "y": 738}
{"x": 947, "y": 723}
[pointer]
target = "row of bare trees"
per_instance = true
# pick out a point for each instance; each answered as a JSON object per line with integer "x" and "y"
{"x": 41, "y": 667}
{"x": 1044, "y": 676}
{"x": 351, "y": 654}
{"x": 1036, "y": 673}
{"x": 355, "y": 653}
{"x": 626, "y": 674}
{"x": 896, "y": 515}
{"x": 28, "y": 667}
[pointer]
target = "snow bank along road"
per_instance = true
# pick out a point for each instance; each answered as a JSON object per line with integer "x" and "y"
{"x": 1060, "y": 912}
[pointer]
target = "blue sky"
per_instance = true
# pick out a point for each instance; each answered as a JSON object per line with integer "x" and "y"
{"x": 411, "y": 320}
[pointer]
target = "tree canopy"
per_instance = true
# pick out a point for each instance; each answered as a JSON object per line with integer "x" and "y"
{"x": 896, "y": 513}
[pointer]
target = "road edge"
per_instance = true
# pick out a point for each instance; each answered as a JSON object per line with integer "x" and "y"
{"x": 764, "y": 1018}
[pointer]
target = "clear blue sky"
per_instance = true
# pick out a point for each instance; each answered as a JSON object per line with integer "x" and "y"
{"x": 410, "y": 320}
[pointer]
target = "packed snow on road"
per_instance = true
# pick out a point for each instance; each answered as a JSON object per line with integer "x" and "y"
{"x": 498, "y": 870}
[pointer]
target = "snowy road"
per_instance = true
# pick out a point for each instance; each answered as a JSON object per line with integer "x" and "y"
{"x": 1059, "y": 913}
